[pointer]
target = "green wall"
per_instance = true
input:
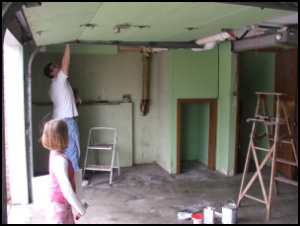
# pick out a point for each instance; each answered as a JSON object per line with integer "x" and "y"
{"x": 226, "y": 118}
{"x": 205, "y": 74}
{"x": 174, "y": 74}
{"x": 257, "y": 75}
{"x": 191, "y": 75}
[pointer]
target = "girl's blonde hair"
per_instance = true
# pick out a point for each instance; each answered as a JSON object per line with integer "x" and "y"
{"x": 55, "y": 135}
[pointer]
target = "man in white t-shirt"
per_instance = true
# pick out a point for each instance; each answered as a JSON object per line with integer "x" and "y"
{"x": 64, "y": 104}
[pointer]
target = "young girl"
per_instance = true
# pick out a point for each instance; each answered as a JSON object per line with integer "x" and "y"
{"x": 62, "y": 184}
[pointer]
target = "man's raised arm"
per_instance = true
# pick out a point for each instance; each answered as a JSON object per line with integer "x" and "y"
{"x": 65, "y": 62}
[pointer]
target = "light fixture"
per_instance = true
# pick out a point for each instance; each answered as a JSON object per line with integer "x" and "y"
{"x": 278, "y": 37}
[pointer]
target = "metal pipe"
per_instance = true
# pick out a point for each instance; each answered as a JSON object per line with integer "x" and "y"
{"x": 144, "y": 105}
{"x": 29, "y": 122}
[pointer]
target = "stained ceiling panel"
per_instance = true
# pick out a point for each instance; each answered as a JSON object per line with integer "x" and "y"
{"x": 60, "y": 22}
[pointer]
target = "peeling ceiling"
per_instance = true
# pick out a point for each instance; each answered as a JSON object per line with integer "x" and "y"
{"x": 147, "y": 23}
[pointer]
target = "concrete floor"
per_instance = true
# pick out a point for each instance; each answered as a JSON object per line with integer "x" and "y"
{"x": 146, "y": 194}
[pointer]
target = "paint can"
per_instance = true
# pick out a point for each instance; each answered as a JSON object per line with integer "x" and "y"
{"x": 197, "y": 218}
{"x": 209, "y": 215}
{"x": 229, "y": 212}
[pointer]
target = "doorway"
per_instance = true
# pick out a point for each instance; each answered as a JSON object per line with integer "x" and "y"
{"x": 182, "y": 109}
{"x": 259, "y": 72}
{"x": 16, "y": 165}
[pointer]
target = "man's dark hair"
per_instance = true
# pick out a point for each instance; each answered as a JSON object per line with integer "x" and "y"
{"x": 48, "y": 70}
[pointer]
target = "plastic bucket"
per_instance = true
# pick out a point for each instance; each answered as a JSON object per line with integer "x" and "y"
{"x": 229, "y": 212}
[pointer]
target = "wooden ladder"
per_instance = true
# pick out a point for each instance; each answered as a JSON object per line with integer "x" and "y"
{"x": 269, "y": 123}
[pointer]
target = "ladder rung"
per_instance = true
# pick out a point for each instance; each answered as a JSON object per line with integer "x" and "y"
{"x": 273, "y": 121}
{"x": 262, "y": 149}
{"x": 256, "y": 120}
{"x": 254, "y": 198}
{"x": 286, "y": 138}
{"x": 272, "y": 126}
{"x": 286, "y": 161}
{"x": 98, "y": 168}
{"x": 269, "y": 123}
{"x": 282, "y": 141}
{"x": 286, "y": 180}
{"x": 101, "y": 146}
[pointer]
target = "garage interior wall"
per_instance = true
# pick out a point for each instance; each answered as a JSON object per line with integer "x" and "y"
{"x": 174, "y": 74}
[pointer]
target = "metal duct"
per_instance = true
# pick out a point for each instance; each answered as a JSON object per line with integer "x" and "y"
{"x": 157, "y": 45}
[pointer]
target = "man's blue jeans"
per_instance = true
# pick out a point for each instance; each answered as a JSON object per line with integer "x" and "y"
{"x": 73, "y": 150}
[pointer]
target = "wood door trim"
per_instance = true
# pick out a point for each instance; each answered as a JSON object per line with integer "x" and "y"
{"x": 212, "y": 130}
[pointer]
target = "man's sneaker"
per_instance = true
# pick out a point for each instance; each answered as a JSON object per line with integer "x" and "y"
{"x": 85, "y": 183}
